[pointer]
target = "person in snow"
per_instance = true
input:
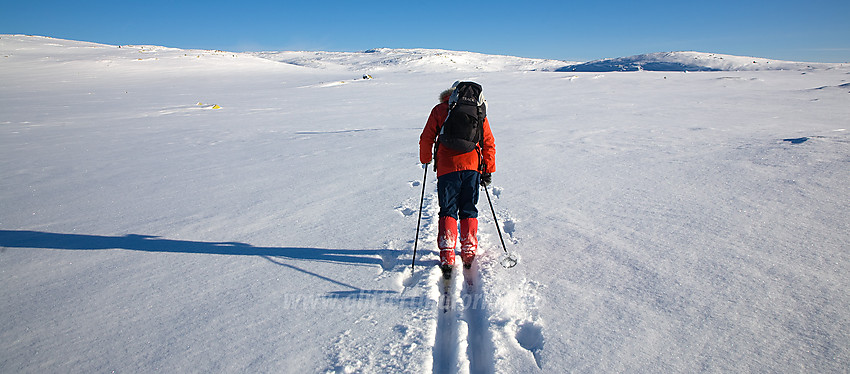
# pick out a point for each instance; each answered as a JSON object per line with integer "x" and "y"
{"x": 458, "y": 177}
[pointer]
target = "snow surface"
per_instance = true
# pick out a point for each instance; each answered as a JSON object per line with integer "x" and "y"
{"x": 666, "y": 222}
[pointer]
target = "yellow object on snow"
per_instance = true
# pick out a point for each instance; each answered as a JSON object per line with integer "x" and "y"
{"x": 207, "y": 106}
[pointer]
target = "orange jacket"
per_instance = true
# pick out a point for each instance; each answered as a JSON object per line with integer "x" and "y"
{"x": 447, "y": 159}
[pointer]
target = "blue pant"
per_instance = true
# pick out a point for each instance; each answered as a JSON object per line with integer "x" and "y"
{"x": 458, "y": 194}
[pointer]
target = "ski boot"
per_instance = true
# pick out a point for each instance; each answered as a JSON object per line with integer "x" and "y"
{"x": 447, "y": 262}
{"x": 467, "y": 257}
{"x": 446, "y": 241}
{"x": 468, "y": 241}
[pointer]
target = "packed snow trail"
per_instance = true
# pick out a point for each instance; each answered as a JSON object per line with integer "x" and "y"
{"x": 463, "y": 340}
{"x": 479, "y": 339}
{"x": 447, "y": 336}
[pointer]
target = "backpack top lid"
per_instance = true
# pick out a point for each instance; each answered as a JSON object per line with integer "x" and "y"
{"x": 467, "y": 93}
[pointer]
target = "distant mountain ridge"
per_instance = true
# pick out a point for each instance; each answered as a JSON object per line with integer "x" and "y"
{"x": 387, "y": 59}
{"x": 690, "y": 61}
{"x": 408, "y": 60}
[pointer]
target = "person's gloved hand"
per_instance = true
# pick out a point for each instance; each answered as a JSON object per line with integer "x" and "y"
{"x": 486, "y": 179}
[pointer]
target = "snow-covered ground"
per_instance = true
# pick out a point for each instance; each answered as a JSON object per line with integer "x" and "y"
{"x": 666, "y": 221}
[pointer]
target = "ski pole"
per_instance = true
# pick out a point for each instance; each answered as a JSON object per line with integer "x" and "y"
{"x": 419, "y": 220}
{"x": 509, "y": 260}
{"x": 494, "y": 219}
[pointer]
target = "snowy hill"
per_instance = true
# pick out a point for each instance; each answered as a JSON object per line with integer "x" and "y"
{"x": 411, "y": 60}
{"x": 52, "y": 52}
{"x": 690, "y": 61}
{"x": 173, "y": 211}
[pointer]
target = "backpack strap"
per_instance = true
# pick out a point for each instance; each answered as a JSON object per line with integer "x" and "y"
{"x": 481, "y": 164}
{"x": 436, "y": 148}
{"x": 437, "y": 144}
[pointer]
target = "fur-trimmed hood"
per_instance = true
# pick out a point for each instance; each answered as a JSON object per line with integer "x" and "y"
{"x": 445, "y": 95}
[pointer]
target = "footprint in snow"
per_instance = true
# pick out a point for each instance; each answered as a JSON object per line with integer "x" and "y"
{"x": 406, "y": 210}
{"x": 530, "y": 337}
{"x": 497, "y": 192}
{"x": 389, "y": 259}
{"x": 510, "y": 226}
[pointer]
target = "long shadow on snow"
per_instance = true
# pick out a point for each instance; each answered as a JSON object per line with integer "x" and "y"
{"x": 147, "y": 243}
{"x": 36, "y": 239}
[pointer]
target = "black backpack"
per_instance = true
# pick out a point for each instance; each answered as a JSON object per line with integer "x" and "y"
{"x": 464, "y": 126}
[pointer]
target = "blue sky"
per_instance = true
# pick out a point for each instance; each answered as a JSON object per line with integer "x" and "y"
{"x": 814, "y": 30}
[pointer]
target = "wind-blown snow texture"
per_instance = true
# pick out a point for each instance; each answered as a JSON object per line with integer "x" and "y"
{"x": 666, "y": 221}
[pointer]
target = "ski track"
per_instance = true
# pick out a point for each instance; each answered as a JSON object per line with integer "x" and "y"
{"x": 447, "y": 337}
{"x": 480, "y": 347}
{"x": 463, "y": 341}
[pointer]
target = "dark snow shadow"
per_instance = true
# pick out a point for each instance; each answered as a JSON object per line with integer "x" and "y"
{"x": 796, "y": 140}
{"x": 147, "y": 243}
{"x": 333, "y": 131}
